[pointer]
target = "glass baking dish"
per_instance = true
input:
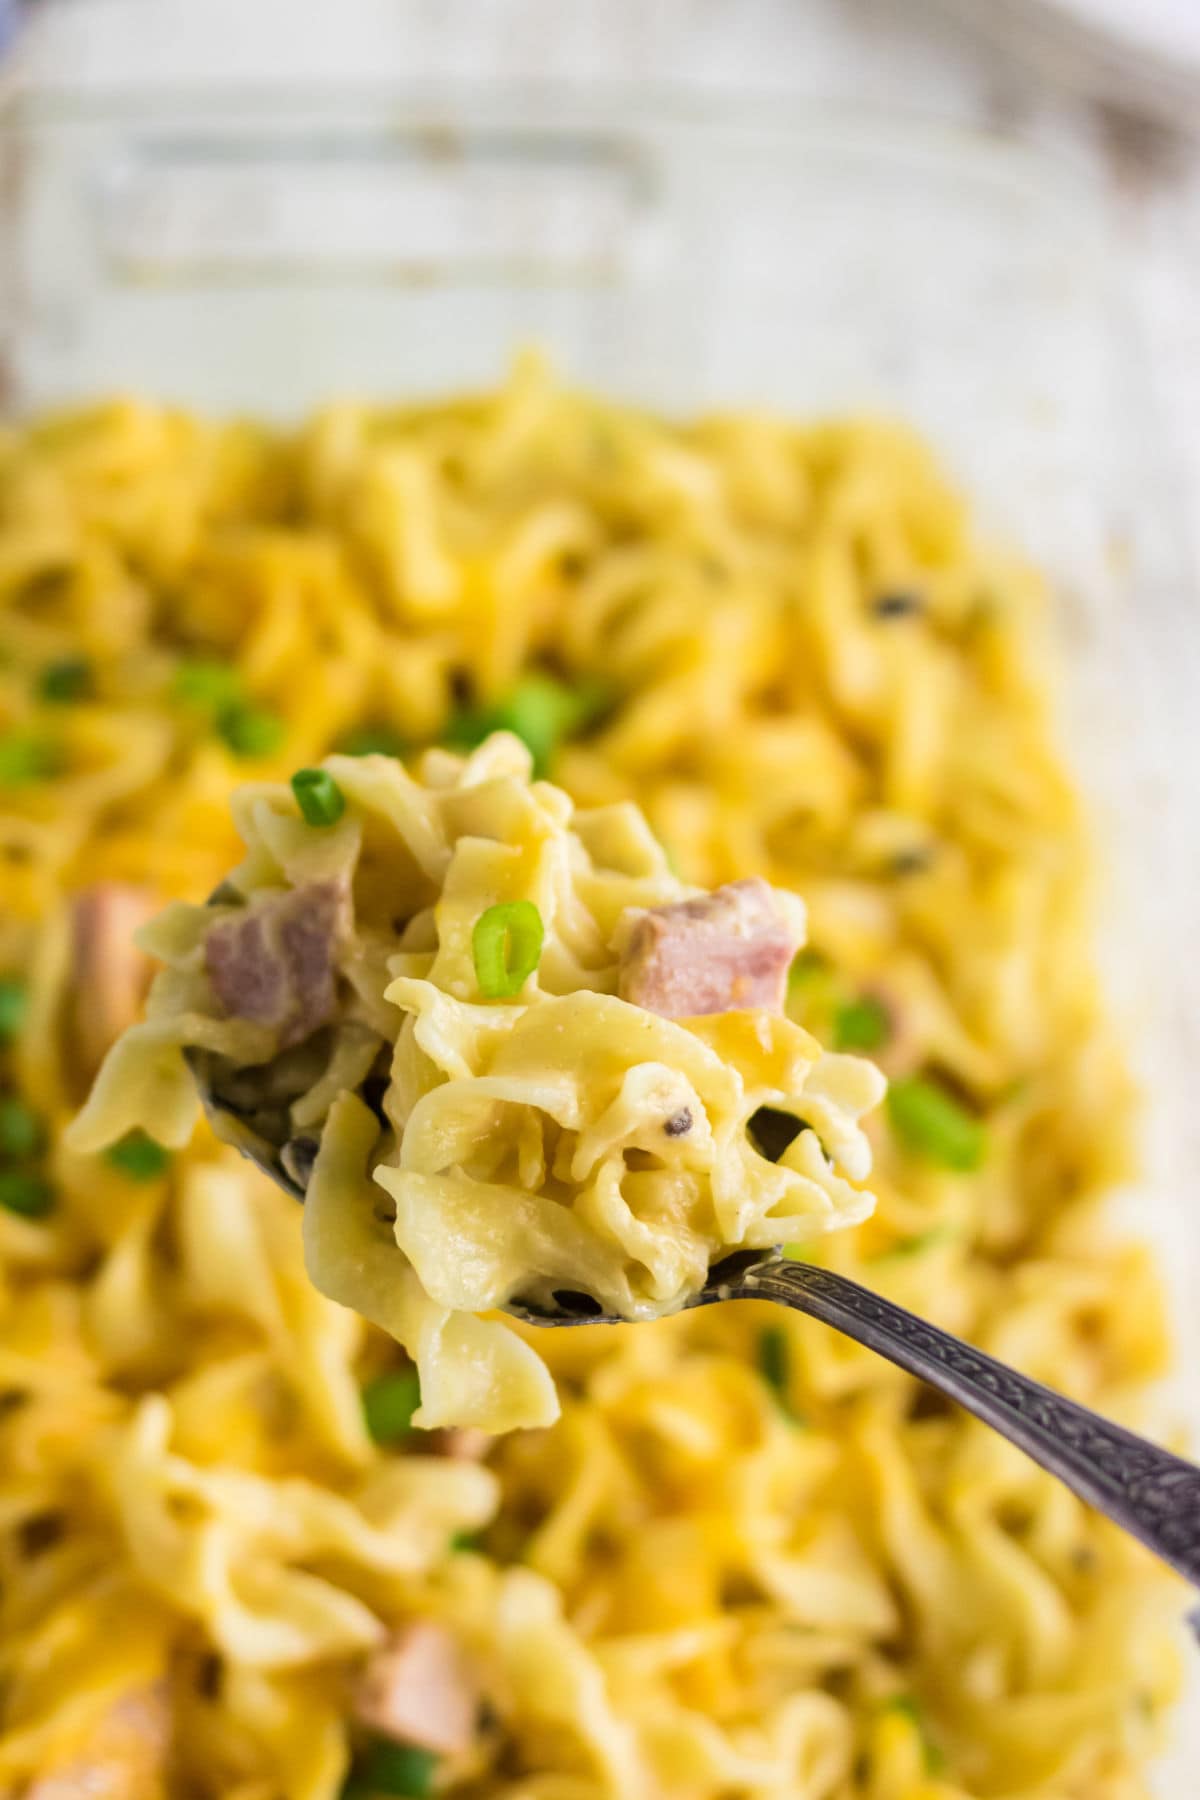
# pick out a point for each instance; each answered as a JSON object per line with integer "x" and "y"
{"x": 266, "y": 251}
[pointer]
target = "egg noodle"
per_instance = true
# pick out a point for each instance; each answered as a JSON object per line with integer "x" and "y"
{"x": 750, "y": 1561}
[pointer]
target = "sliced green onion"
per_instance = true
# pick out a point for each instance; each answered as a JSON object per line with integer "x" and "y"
{"x": 216, "y": 688}
{"x": 318, "y": 796}
{"x": 27, "y": 1194}
{"x": 139, "y": 1157}
{"x": 861, "y": 1024}
{"x": 389, "y": 1403}
{"x": 593, "y": 696}
{"x": 404, "y": 1769}
{"x": 469, "y": 726}
{"x": 208, "y": 684}
{"x": 70, "y": 678}
{"x": 251, "y": 731}
{"x": 14, "y": 1004}
{"x": 26, "y": 756}
{"x": 911, "y": 1709}
{"x": 466, "y": 1540}
{"x": 813, "y": 990}
{"x": 806, "y": 966}
{"x": 907, "y": 1707}
{"x": 915, "y": 1245}
{"x": 931, "y": 1123}
{"x": 21, "y": 1131}
{"x": 774, "y": 1358}
{"x": 372, "y": 740}
{"x": 1015, "y": 1091}
{"x": 540, "y": 709}
{"x": 507, "y": 946}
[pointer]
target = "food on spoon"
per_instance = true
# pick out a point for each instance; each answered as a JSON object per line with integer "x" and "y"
{"x": 274, "y": 963}
{"x": 723, "y": 952}
{"x": 507, "y": 1053}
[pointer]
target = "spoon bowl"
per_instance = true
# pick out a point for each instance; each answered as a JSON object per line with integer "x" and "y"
{"x": 1149, "y": 1492}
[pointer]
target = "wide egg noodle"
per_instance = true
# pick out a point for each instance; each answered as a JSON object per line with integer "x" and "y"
{"x": 472, "y": 1370}
{"x": 690, "y": 1584}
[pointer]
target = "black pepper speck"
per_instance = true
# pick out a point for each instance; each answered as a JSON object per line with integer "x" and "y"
{"x": 896, "y": 606}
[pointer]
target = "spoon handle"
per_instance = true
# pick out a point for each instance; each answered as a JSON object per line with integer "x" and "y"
{"x": 1147, "y": 1491}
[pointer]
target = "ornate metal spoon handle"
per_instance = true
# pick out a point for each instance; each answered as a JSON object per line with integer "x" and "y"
{"x": 1147, "y": 1491}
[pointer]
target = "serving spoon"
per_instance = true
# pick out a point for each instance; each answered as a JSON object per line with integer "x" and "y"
{"x": 1147, "y": 1491}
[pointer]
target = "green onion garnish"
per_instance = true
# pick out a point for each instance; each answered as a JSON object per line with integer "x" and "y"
{"x": 21, "y": 1131}
{"x": 540, "y": 709}
{"x": 507, "y": 946}
{"x": 911, "y": 1709}
{"x": 14, "y": 1004}
{"x": 466, "y": 1540}
{"x": 216, "y": 689}
{"x": 774, "y": 1359}
{"x": 806, "y": 964}
{"x": 318, "y": 796}
{"x": 404, "y": 1769}
{"x": 915, "y": 1245}
{"x": 21, "y": 1192}
{"x": 251, "y": 731}
{"x": 70, "y": 678}
{"x": 139, "y": 1157}
{"x": 372, "y": 740}
{"x": 906, "y": 1706}
{"x": 208, "y": 684}
{"x": 25, "y": 756}
{"x": 861, "y": 1024}
{"x": 930, "y": 1123}
{"x": 389, "y": 1403}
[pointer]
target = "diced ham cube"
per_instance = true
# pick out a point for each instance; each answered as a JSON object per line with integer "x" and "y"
{"x": 275, "y": 962}
{"x": 419, "y": 1688}
{"x": 110, "y": 975}
{"x": 123, "y": 1756}
{"x": 728, "y": 951}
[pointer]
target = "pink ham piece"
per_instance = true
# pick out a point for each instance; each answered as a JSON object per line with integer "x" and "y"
{"x": 110, "y": 975}
{"x": 274, "y": 963}
{"x": 418, "y": 1688}
{"x": 728, "y": 951}
{"x": 123, "y": 1756}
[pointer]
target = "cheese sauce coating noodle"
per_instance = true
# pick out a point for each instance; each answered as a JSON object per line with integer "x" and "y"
{"x": 750, "y": 1560}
